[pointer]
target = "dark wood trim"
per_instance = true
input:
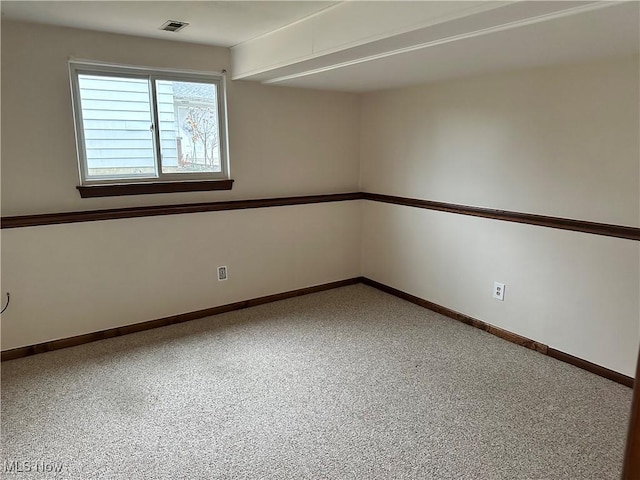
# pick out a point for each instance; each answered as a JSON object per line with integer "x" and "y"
{"x": 504, "y": 334}
{"x": 151, "y": 211}
{"x": 163, "y": 322}
{"x": 619, "y": 231}
{"x": 631, "y": 469}
{"x": 591, "y": 367}
{"x": 119, "y": 189}
{"x": 461, "y": 317}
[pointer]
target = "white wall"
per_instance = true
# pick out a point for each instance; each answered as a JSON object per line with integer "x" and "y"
{"x": 555, "y": 141}
{"x": 66, "y": 280}
{"x": 552, "y": 141}
{"x": 72, "y": 279}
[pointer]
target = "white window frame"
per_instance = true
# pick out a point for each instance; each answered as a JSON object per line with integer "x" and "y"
{"x": 78, "y": 67}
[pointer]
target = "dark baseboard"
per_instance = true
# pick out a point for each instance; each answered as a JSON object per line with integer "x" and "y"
{"x": 461, "y": 317}
{"x": 207, "y": 312}
{"x": 505, "y": 334}
{"x": 163, "y": 322}
{"x": 590, "y": 367}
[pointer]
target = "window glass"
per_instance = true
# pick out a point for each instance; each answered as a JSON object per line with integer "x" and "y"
{"x": 116, "y": 119}
{"x": 189, "y": 128}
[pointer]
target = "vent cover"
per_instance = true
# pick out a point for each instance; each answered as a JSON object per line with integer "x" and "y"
{"x": 173, "y": 25}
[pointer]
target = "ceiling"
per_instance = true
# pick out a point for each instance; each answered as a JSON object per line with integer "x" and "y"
{"x": 362, "y": 46}
{"x": 210, "y": 22}
{"x": 583, "y": 36}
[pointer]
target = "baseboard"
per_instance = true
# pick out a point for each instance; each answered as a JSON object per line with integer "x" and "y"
{"x": 208, "y": 312}
{"x": 591, "y": 367}
{"x": 505, "y": 334}
{"x": 461, "y": 317}
{"x": 163, "y": 322}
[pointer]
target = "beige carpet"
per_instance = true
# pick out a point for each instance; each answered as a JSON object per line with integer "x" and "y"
{"x": 346, "y": 384}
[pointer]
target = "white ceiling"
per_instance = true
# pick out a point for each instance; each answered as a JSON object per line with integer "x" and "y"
{"x": 369, "y": 45}
{"x": 588, "y": 35}
{"x": 210, "y": 22}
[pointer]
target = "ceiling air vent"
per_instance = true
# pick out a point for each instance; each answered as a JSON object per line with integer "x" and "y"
{"x": 173, "y": 25}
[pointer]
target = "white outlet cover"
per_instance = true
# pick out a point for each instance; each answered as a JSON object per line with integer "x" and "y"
{"x": 498, "y": 291}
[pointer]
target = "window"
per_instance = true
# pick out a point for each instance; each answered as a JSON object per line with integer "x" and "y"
{"x": 137, "y": 127}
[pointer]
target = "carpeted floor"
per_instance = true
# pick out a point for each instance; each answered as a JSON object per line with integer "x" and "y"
{"x": 346, "y": 384}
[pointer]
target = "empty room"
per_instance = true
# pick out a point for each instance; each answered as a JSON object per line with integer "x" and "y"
{"x": 308, "y": 239}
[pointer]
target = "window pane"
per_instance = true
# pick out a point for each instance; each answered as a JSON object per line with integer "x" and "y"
{"x": 116, "y": 117}
{"x": 189, "y": 130}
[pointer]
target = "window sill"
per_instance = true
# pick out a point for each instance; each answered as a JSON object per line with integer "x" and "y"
{"x": 119, "y": 189}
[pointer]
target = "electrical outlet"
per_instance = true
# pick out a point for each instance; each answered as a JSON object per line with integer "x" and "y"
{"x": 222, "y": 273}
{"x": 498, "y": 291}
